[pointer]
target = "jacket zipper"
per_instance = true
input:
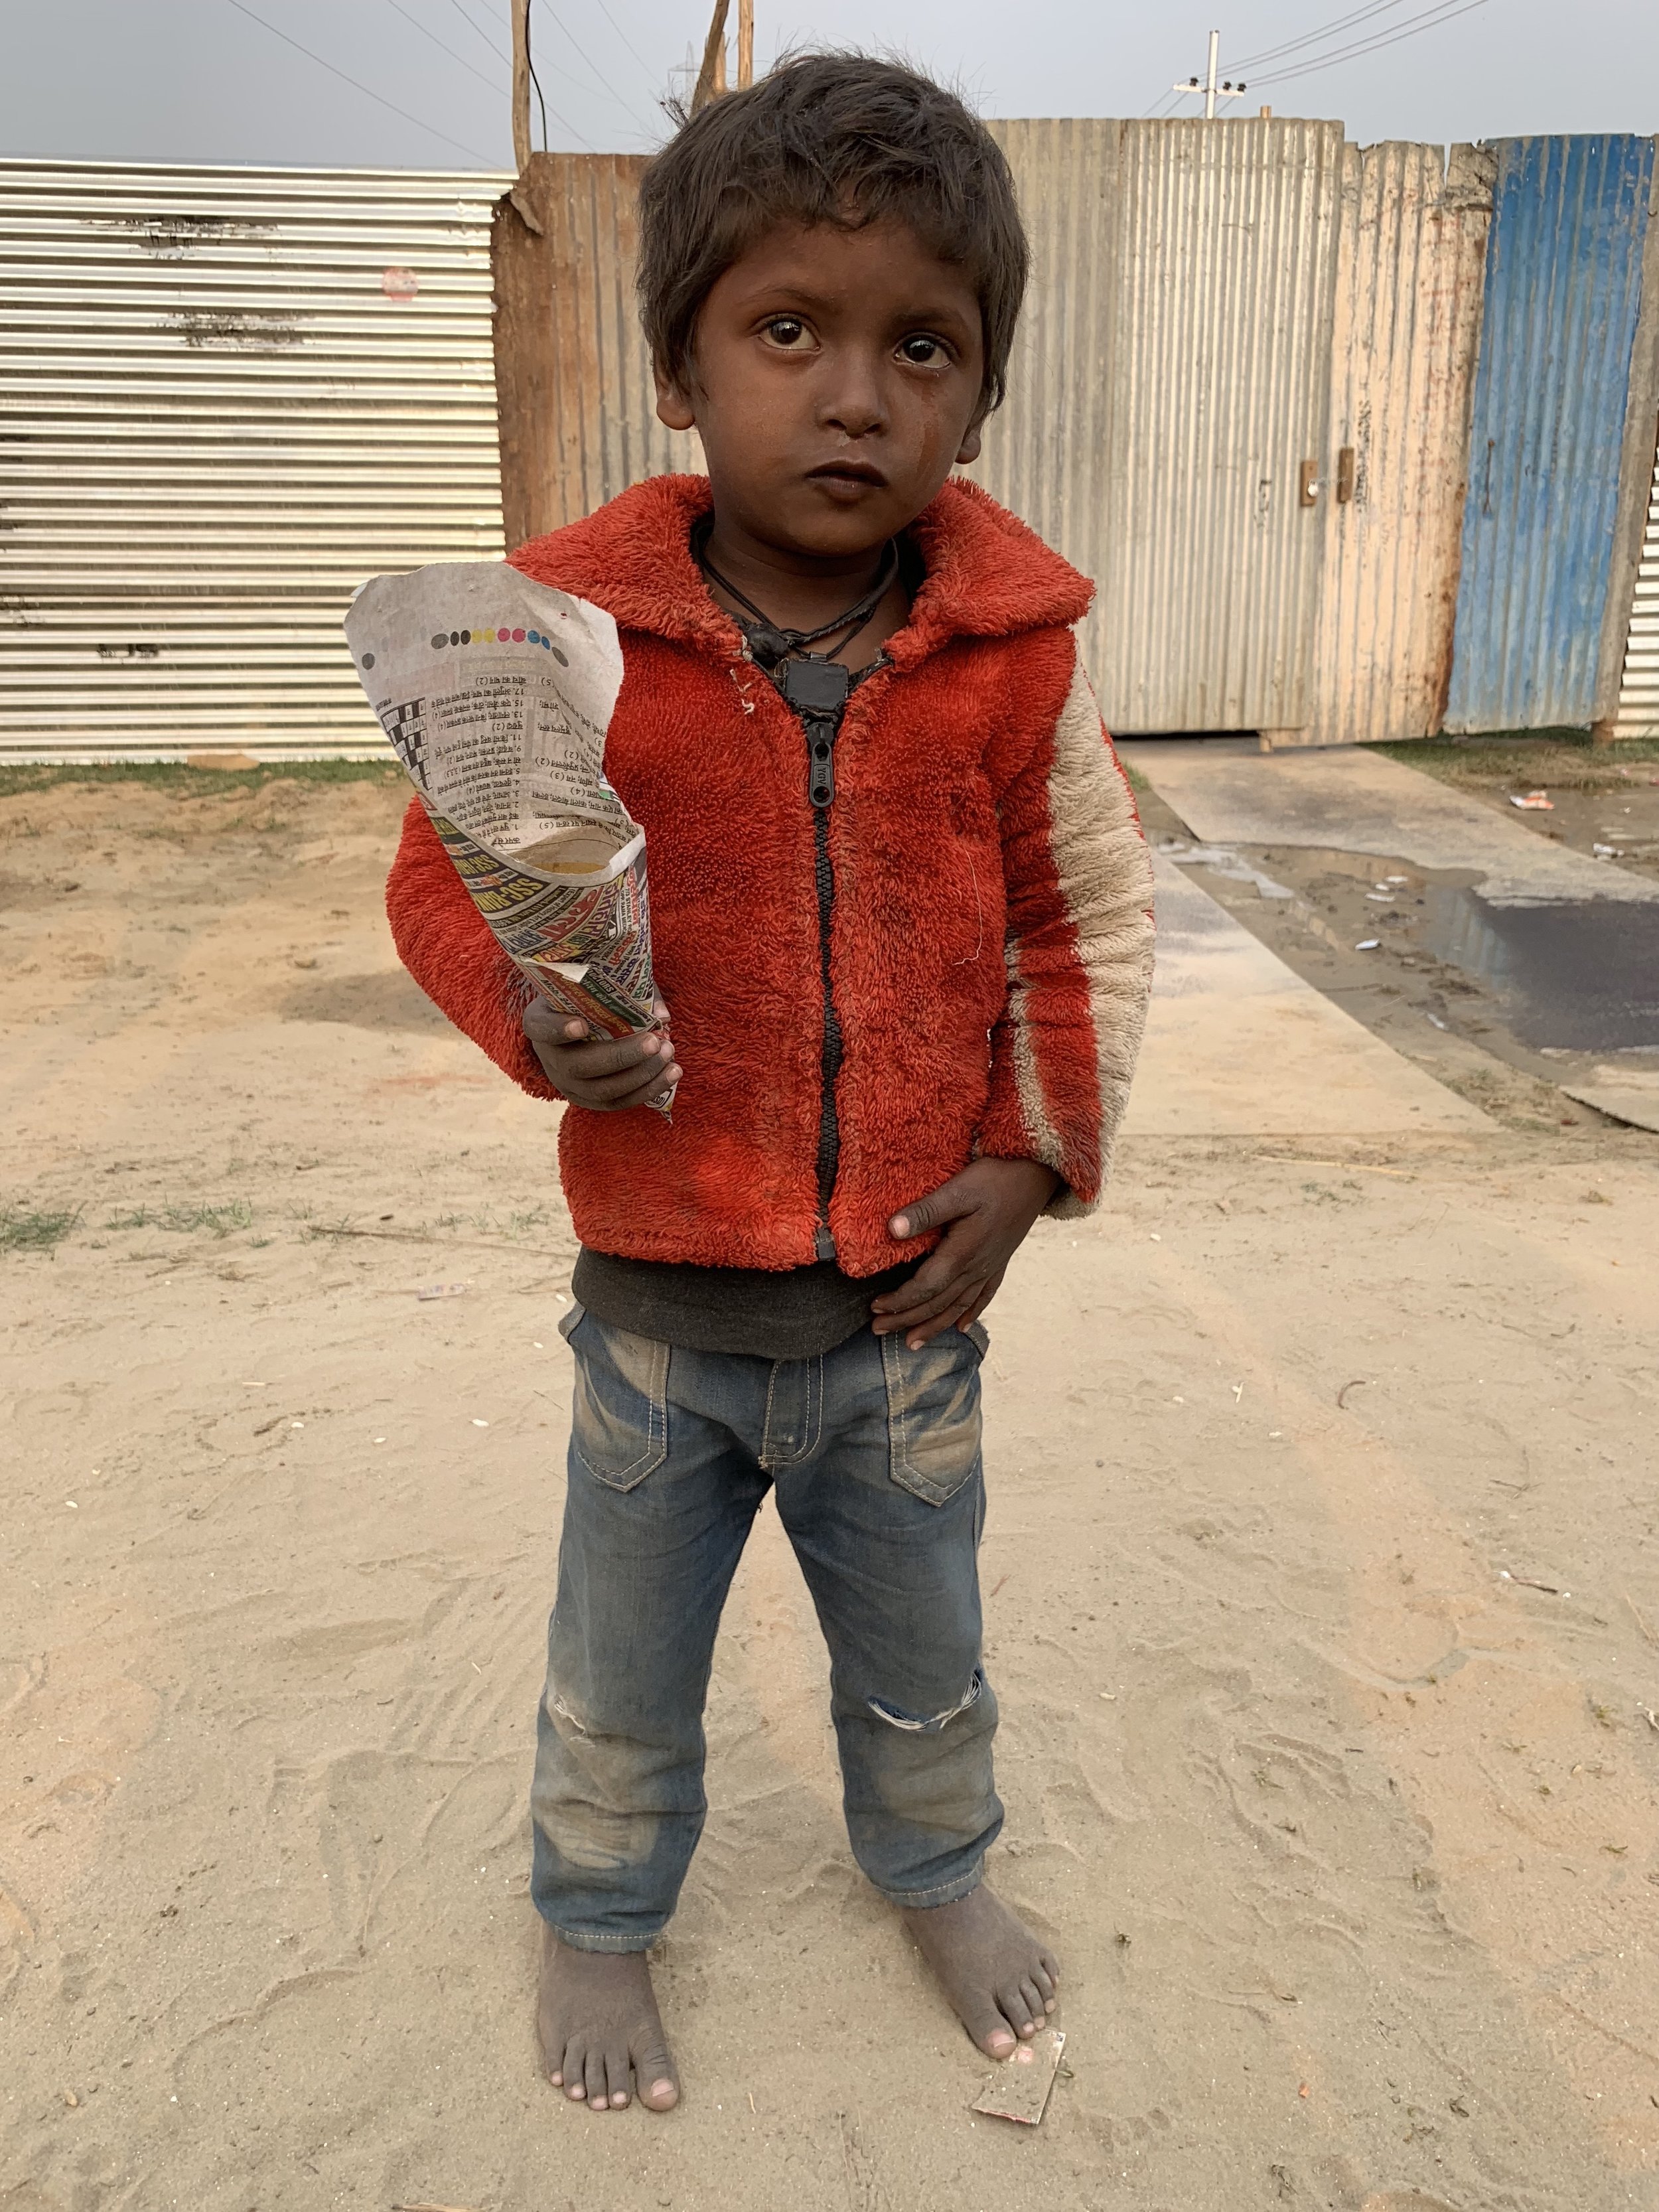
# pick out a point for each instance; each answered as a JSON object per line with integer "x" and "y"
{"x": 818, "y": 691}
{"x": 821, "y": 739}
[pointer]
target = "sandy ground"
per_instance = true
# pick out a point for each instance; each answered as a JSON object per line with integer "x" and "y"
{"x": 1323, "y": 1576}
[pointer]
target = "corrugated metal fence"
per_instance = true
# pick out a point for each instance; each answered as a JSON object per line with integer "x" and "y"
{"x": 1172, "y": 379}
{"x": 1411, "y": 250}
{"x": 1241, "y": 400}
{"x": 578, "y": 405}
{"x": 1562, "y": 296}
{"x": 1636, "y": 714}
{"x": 226, "y": 395}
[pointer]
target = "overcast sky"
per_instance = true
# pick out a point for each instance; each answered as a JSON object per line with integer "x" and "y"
{"x": 201, "y": 81}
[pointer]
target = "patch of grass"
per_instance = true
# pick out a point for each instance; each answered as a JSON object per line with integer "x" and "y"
{"x": 1507, "y": 759}
{"x": 186, "y": 1220}
{"x": 197, "y": 782}
{"x": 36, "y": 1229}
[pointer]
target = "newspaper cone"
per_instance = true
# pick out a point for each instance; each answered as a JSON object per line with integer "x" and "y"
{"x": 496, "y": 693}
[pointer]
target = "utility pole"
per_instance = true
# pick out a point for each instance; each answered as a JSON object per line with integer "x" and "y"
{"x": 1211, "y": 90}
{"x": 521, "y": 85}
{"x": 745, "y": 44}
{"x": 711, "y": 77}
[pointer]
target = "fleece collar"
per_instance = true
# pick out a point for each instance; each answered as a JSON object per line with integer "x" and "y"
{"x": 986, "y": 575}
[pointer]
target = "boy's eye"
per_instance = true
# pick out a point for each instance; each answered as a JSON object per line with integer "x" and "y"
{"x": 924, "y": 352}
{"x": 789, "y": 332}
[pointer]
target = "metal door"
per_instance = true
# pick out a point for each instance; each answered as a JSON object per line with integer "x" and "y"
{"x": 1173, "y": 377}
{"x": 1563, "y": 295}
{"x": 1407, "y": 329}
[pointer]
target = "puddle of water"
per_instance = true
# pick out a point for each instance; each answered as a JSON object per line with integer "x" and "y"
{"x": 1573, "y": 977}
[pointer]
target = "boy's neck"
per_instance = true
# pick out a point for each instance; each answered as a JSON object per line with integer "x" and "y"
{"x": 797, "y": 591}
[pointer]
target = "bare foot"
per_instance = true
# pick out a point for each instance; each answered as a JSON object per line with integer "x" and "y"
{"x": 997, "y": 1975}
{"x": 600, "y": 2032}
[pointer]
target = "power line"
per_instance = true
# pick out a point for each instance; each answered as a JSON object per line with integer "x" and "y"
{"x": 472, "y": 24}
{"x": 243, "y": 10}
{"x": 1427, "y": 21}
{"x": 564, "y": 121}
{"x": 530, "y": 64}
{"x": 396, "y": 5}
{"x": 1312, "y": 38}
{"x": 603, "y": 82}
{"x": 627, "y": 42}
{"x": 599, "y": 84}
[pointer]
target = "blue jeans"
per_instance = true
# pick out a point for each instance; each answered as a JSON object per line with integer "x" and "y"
{"x": 874, "y": 1453}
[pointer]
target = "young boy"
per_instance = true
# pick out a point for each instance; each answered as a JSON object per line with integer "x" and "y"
{"x": 901, "y": 907}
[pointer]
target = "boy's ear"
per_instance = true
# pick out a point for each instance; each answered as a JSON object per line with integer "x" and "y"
{"x": 674, "y": 406}
{"x": 971, "y": 440}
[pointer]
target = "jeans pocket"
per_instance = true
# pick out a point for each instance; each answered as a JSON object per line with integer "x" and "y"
{"x": 619, "y": 1408}
{"x": 933, "y": 1411}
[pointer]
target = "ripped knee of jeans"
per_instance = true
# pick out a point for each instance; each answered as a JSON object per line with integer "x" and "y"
{"x": 927, "y": 1724}
{"x": 558, "y": 1710}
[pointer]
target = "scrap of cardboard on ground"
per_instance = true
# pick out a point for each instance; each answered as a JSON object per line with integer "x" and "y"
{"x": 1019, "y": 2088}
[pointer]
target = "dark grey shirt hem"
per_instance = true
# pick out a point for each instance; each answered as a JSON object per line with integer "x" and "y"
{"x": 789, "y": 1313}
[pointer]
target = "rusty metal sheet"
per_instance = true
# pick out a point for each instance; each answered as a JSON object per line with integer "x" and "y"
{"x": 1408, "y": 294}
{"x": 228, "y": 396}
{"x": 577, "y": 404}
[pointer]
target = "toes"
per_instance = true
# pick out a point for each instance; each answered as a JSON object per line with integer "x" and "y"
{"x": 991, "y": 2032}
{"x": 653, "y": 2070}
{"x": 1015, "y": 2010}
{"x": 593, "y": 2075}
{"x": 569, "y": 2075}
{"x": 1043, "y": 1975}
{"x": 1034, "y": 2004}
{"x": 618, "y": 2074}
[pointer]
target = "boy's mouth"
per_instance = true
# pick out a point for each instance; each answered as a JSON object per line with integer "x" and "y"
{"x": 864, "y": 474}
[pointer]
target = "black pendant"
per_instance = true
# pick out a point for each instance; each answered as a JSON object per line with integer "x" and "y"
{"x": 767, "y": 645}
{"x": 817, "y": 687}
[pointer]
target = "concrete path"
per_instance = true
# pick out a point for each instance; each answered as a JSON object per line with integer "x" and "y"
{"x": 1628, "y": 1094}
{"x": 1353, "y": 801}
{"x": 1238, "y": 1045}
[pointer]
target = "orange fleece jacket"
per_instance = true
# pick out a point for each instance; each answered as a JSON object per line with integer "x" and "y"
{"x": 991, "y": 947}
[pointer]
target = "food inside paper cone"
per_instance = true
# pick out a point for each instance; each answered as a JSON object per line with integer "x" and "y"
{"x": 496, "y": 693}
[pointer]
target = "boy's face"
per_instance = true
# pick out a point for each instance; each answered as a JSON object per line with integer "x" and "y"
{"x": 835, "y": 380}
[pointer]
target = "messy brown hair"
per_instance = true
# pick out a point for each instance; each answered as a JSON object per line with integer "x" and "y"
{"x": 828, "y": 138}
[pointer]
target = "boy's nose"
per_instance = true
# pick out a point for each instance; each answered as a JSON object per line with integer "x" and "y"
{"x": 854, "y": 403}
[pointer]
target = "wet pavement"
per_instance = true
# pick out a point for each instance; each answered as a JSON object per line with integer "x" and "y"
{"x": 1432, "y": 917}
{"x": 1571, "y": 977}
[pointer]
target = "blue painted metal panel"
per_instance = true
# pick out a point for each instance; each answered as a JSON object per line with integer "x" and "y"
{"x": 1563, "y": 291}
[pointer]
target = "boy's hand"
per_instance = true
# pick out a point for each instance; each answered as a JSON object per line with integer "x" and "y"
{"x": 606, "y": 1074}
{"x": 993, "y": 1203}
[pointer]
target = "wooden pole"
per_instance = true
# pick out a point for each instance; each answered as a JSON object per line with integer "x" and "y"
{"x": 521, "y": 85}
{"x": 713, "y": 58}
{"x": 745, "y": 44}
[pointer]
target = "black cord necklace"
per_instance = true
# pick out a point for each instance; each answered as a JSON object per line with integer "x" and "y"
{"x": 771, "y": 645}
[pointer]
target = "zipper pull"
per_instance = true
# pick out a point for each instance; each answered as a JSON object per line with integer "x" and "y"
{"x": 820, "y": 768}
